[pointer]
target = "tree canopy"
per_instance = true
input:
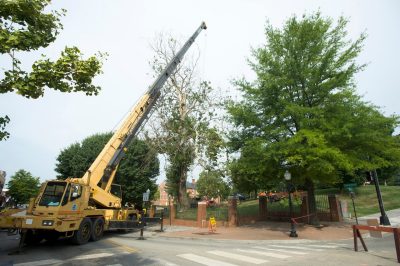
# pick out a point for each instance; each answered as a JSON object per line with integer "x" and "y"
{"x": 212, "y": 185}
{"x": 302, "y": 111}
{"x": 25, "y": 26}
{"x": 136, "y": 172}
{"x": 23, "y": 186}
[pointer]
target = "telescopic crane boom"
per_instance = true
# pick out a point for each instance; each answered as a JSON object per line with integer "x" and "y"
{"x": 101, "y": 173}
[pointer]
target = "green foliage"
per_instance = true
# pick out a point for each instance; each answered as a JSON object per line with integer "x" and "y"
{"x": 25, "y": 27}
{"x": 302, "y": 110}
{"x": 211, "y": 184}
{"x": 76, "y": 159}
{"x": 3, "y": 122}
{"x": 136, "y": 172}
{"x": 23, "y": 186}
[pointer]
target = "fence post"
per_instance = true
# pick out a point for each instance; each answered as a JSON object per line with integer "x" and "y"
{"x": 232, "y": 211}
{"x": 262, "y": 207}
{"x": 172, "y": 214}
{"x": 334, "y": 208}
{"x": 201, "y": 213}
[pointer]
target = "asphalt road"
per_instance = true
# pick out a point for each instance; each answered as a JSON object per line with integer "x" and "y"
{"x": 125, "y": 249}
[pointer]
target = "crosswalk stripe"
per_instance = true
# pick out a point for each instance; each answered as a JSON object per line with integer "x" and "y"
{"x": 296, "y": 247}
{"x": 164, "y": 262}
{"x": 268, "y": 254}
{"x": 39, "y": 263}
{"x": 338, "y": 244}
{"x": 230, "y": 255}
{"x": 322, "y": 246}
{"x": 55, "y": 261}
{"x": 283, "y": 250}
{"x": 204, "y": 260}
{"x": 92, "y": 256}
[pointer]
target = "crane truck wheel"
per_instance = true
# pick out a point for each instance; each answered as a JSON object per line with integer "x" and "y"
{"x": 97, "y": 229}
{"x": 82, "y": 235}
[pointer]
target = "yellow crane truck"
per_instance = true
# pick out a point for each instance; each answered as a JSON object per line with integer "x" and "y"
{"x": 82, "y": 208}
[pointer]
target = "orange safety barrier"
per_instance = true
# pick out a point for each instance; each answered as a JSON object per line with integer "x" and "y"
{"x": 394, "y": 230}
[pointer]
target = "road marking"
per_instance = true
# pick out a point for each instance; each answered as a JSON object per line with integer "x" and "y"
{"x": 204, "y": 260}
{"x": 114, "y": 264}
{"x": 126, "y": 248}
{"x": 322, "y": 246}
{"x": 296, "y": 247}
{"x": 39, "y": 263}
{"x": 230, "y": 255}
{"x": 54, "y": 261}
{"x": 268, "y": 254}
{"x": 283, "y": 250}
{"x": 92, "y": 256}
{"x": 164, "y": 262}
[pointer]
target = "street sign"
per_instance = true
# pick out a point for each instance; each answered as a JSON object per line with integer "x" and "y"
{"x": 350, "y": 186}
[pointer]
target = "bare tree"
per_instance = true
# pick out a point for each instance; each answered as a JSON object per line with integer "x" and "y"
{"x": 181, "y": 117}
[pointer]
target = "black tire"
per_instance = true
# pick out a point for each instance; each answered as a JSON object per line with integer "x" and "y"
{"x": 97, "y": 229}
{"x": 32, "y": 238}
{"x": 82, "y": 235}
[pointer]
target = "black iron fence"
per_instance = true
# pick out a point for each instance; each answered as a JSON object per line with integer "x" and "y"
{"x": 322, "y": 203}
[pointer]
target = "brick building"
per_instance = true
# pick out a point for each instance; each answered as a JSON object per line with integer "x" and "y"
{"x": 190, "y": 189}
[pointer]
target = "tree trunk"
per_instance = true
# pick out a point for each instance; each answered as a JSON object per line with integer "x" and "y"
{"x": 311, "y": 202}
{"x": 182, "y": 195}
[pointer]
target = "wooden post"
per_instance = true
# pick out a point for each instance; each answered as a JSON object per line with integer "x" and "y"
{"x": 397, "y": 242}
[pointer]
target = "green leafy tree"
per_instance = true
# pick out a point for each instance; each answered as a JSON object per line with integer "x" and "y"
{"x": 302, "y": 111}
{"x": 23, "y": 186}
{"x": 25, "y": 26}
{"x": 3, "y": 122}
{"x": 212, "y": 185}
{"x": 136, "y": 172}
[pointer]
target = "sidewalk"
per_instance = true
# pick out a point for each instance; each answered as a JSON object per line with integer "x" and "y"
{"x": 277, "y": 230}
{"x": 263, "y": 231}
{"x": 394, "y": 217}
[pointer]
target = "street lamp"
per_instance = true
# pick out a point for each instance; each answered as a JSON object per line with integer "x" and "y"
{"x": 288, "y": 177}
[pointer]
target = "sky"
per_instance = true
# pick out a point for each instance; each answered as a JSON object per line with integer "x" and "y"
{"x": 41, "y": 128}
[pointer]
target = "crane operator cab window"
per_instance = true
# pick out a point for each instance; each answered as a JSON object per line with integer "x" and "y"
{"x": 76, "y": 190}
{"x": 53, "y": 194}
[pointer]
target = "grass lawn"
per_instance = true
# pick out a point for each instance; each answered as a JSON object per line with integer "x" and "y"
{"x": 366, "y": 201}
{"x": 248, "y": 208}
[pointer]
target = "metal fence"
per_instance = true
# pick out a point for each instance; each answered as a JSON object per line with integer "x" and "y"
{"x": 322, "y": 203}
{"x": 164, "y": 210}
{"x": 220, "y": 213}
{"x": 186, "y": 214}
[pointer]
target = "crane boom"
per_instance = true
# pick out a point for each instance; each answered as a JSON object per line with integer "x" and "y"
{"x": 102, "y": 172}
